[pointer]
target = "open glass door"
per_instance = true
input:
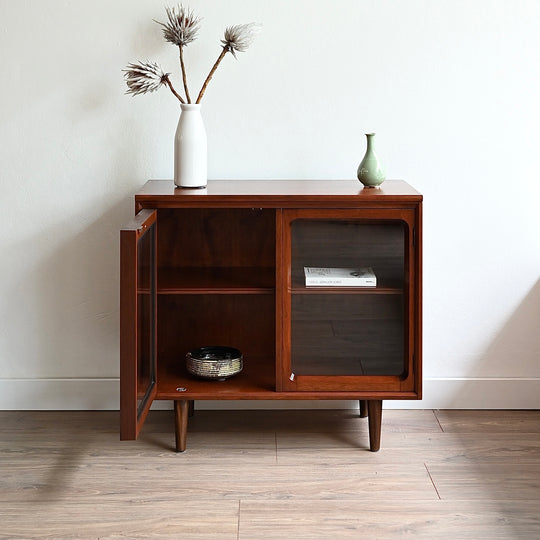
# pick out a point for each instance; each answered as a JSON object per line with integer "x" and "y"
{"x": 137, "y": 322}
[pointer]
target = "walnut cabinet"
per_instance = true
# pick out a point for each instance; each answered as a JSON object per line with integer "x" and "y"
{"x": 225, "y": 266}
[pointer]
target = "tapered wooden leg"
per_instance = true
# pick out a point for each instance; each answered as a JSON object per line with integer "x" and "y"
{"x": 191, "y": 407}
{"x": 375, "y": 419}
{"x": 363, "y": 408}
{"x": 181, "y": 413}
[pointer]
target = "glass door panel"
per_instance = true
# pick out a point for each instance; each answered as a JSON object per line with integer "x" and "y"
{"x": 137, "y": 321}
{"x": 343, "y": 329}
{"x": 146, "y": 313}
{"x": 349, "y": 244}
{"x": 347, "y": 334}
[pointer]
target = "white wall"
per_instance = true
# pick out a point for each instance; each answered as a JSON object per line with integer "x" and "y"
{"x": 450, "y": 86}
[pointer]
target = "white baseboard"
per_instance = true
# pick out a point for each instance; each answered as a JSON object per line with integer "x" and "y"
{"x": 103, "y": 394}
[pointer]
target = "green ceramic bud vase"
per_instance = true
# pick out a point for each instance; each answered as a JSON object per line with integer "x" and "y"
{"x": 370, "y": 171}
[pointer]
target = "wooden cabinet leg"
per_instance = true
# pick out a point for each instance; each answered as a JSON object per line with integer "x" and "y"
{"x": 363, "y": 408}
{"x": 191, "y": 407}
{"x": 181, "y": 413}
{"x": 375, "y": 419}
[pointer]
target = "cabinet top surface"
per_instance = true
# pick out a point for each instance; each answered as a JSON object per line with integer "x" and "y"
{"x": 275, "y": 191}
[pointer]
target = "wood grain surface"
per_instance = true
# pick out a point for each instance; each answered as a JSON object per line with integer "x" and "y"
{"x": 249, "y": 475}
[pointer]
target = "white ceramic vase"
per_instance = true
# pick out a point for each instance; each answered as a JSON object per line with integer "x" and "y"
{"x": 190, "y": 153}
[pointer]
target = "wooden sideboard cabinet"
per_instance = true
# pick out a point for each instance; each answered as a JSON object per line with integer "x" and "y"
{"x": 224, "y": 265}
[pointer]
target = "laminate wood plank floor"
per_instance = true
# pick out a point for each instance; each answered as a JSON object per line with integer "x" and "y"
{"x": 250, "y": 475}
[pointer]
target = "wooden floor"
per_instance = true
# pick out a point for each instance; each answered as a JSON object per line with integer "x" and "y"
{"x": 283, "y": 475}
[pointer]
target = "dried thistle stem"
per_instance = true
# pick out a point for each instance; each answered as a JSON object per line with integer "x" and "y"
{"x": 184, "y": 76}
{"x": 169, "y": 84}
{"x": 212, "y": 71}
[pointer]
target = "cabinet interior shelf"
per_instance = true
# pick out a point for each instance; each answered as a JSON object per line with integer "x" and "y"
{"x": 257, "y": 377}
{"x": 216, "y": 280}
{"x": 345, "y": 290}
{"x": 257, "y": 381}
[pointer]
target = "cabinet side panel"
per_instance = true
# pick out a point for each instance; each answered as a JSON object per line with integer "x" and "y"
{"x": 418, "y": 299}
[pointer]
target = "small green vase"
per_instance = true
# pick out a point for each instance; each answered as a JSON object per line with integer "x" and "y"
{"x": 370, "y": 171}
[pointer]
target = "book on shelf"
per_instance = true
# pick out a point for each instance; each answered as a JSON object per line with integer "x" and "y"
{"x": 340, "y": 277}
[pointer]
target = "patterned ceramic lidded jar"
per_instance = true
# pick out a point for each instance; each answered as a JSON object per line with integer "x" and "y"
{"x": 370, "y": 171}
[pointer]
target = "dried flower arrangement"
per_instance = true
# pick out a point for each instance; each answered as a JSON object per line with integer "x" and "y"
{"x": 181, "y": 29}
